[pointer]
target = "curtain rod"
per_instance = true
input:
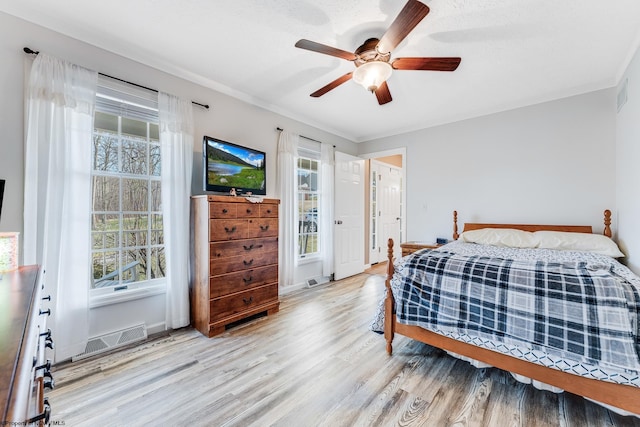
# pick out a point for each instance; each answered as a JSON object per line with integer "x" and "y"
{"x": 35, "y": 52}
{"x": 305, "y": 137}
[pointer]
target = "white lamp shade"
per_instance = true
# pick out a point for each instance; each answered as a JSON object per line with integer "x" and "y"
{"x": 372, "y": 74}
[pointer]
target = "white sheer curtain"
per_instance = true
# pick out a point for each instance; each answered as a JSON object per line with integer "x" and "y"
{"x": 287, "y": 186}
{"x": 57, "y": 193}
{"x": 176, "y": 141}
{"x": 326, "y": 208}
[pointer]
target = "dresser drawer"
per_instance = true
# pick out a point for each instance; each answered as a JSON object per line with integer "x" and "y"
{"x": 263, "y": 227}
{"x": 242, "y": 262}
{"x": 248, "y": 210}
{"x": 228, "y": 229}
{"x": 226, "y": 284}
{"x": 239, "y": 302}
{"x": 268, "y": 211}
{"x": 242, "y": 247}
{"x": 223, "y": 210}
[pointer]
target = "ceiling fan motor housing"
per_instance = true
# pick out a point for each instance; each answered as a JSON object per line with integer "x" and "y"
{"x": 367, "y": 52}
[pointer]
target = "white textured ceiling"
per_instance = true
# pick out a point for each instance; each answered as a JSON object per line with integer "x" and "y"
{"x": 514, "y": 52}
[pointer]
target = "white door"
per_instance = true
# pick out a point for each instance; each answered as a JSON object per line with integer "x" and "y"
{"x": 348, "y": 229}
{"x": 390, "y": 209}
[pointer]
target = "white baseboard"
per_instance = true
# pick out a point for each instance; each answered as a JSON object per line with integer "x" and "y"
{"x": 156, "y": 327}
{"x": 283, "y": 290}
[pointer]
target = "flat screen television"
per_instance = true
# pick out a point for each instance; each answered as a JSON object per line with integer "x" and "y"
{"x": 230, "y": 166}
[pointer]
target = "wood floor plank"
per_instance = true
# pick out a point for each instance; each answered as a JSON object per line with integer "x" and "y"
{"x": 314, "y": 363}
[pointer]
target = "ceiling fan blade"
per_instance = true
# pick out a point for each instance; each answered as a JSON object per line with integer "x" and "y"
{"x": 327, "y": 50}
{"x": 433, "y": 64}
{"x": 410, "y": 15}
{"x": 334, "y": 84}
{"x": 383, "y": 94}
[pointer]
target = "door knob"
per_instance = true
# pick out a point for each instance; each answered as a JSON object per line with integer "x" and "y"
{"x": 338, "y": 222}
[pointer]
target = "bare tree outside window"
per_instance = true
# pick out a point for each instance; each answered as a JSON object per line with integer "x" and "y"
{"x": 127, "y": 227}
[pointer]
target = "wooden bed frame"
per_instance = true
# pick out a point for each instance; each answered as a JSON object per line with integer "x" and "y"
{"x": 620, "y": 396}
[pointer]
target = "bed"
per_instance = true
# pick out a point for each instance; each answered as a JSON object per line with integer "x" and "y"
{"x": 607, "y": 372}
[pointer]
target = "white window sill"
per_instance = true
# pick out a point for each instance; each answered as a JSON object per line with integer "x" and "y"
{"x": 102, "y": 299}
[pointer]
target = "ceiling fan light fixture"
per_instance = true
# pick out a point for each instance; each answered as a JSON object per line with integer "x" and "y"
{"x": 372, "y": 74}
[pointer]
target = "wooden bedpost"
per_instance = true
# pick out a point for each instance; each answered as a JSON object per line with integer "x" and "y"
{"x": 607, "y": 223}
{"x": 455, "y": 225}
{"x": 389, "y": 303}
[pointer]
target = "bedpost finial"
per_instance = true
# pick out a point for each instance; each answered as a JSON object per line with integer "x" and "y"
{"x": 607, "y": 223}
{"x": 389, "y": 259}
{"x": 455, "y": 225}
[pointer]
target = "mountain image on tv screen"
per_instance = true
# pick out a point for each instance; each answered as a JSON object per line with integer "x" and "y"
{"x": 237, "y": 167}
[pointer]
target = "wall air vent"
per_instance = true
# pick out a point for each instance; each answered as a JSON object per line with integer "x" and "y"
{"x": 112, "y": 340}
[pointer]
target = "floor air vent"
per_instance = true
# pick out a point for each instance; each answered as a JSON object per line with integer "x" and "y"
{"x": 112, "y": 340}
{"x": 317, "y": 281}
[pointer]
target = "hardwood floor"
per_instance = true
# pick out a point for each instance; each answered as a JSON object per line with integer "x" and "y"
{"x": 315, "y": 363}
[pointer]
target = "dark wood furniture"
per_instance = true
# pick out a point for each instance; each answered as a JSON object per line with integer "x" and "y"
{"x": 24, "y": 373}
{"x": 620, "y": 396}
{"x": 411, "y": 247}
{"x": 234, "y": 260}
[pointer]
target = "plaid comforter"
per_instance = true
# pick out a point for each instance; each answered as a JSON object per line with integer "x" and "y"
{"x": 582, "y": 310}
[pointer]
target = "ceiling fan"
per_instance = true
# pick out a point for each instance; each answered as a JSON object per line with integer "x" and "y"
{"x": 373, "y": 58}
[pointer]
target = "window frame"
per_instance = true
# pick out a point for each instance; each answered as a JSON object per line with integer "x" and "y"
{"x": 124, "y": 102}
{"x": 312, "y": 154}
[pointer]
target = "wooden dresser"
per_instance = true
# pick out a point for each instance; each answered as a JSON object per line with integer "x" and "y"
{"x": 234, "y": 260}
{"x": 24, "y": 373}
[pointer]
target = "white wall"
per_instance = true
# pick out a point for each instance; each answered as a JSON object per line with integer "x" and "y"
{"x": 228, "y": 119}
{"x": 547, "y": 163}
{"x": 628, "y": 166}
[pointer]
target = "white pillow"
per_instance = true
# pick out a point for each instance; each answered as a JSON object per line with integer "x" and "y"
{"x": 501, "y": 237}
{"x": 585, "y": 242}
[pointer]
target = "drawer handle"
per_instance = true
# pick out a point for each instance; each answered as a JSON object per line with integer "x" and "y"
{"x": 46, "y": 334}
{"x": 46, "y": 366}
{"x": 248, "y": 211}
{"x": 230, "y": 230}
{"x": 47, "y": 298}
{"x": 248, "y": 301}
{"x": 264, "y": 227}
{"x": 44, "y": 416}
{"x": 225, "y": 211}
{"x": 251, "y": 246}
{"x": 268, "y": 211}
{"x": 246, "y": 280}
{"x": 47, "y": 312}
{"x": 245, "y": 262}
{"x": 50, "y": 384}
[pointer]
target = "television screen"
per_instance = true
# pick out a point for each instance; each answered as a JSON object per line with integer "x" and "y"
{"x": 230, "y": 166}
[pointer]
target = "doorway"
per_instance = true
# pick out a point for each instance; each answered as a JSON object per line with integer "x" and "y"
{"x": 385, "y": 209}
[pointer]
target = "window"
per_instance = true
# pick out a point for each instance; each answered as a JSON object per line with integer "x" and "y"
{"x": 308, "y": 206}
{"x": 126, "y": 225}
